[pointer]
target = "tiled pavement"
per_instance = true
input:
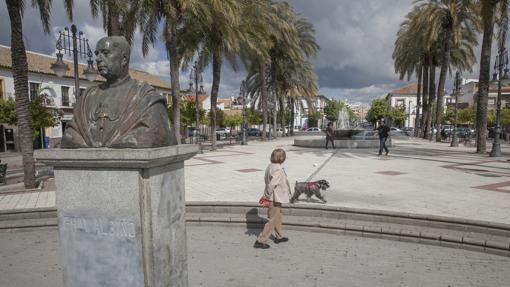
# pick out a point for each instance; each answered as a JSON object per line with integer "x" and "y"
{"x": 418, "y": 177}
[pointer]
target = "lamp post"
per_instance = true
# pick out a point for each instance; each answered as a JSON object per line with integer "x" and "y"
{"x": 78, "y": 45}
{"x": 242, "y": 91}
{"x": 455, "y": 140}
{"x": 499, "y": 77}
{"x": 195, "y": 76}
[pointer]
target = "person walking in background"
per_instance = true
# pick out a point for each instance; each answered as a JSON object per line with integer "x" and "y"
{"x": 330, "y": 135}
{"x": 383, "y": 131}
{"x": 277, "y": 191}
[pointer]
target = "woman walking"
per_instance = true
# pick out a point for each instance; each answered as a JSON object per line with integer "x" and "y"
{"x": 277, "y": 191}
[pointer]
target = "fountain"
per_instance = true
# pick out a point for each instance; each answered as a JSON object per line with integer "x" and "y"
{"x": 343, "y": 122}
{"x": 344, "y": 136}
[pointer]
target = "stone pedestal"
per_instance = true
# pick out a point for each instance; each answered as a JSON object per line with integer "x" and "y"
{"x": 121, "y": 215}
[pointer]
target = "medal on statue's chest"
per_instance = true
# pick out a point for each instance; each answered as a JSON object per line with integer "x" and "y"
{"x": 102, "y": 118}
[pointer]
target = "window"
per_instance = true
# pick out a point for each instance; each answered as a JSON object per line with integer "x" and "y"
{"x": 65, "y": 96}
{"x": 33, "y": 91}
{"x": 82, "y": 90}
{"x": 492, "y": 101}
{"x": 400, "y": 103}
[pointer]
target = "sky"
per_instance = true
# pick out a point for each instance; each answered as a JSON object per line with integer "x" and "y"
{"x": 354, "y": 63}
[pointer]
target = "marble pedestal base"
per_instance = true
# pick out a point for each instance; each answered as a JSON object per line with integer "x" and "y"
{"x": 121, "y": 215}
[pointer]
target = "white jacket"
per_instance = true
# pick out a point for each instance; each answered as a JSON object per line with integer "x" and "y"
{"x": 277, "y": 186}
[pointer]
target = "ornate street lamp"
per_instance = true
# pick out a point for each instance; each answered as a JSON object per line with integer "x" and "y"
{"x": 79, "y": 46}
{"x": 455, "y": 141}
{"x": 500, "y": 79}
{"x": 195, "y": 76}
{"x": 242, "y": 91}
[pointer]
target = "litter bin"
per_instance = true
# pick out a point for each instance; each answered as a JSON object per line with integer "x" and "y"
{"x": 46, "y": 142}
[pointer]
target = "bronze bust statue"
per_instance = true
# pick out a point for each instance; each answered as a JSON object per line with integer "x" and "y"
{"x": 120, "y": 113}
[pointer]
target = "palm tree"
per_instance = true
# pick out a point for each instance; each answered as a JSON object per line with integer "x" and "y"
{"x": 289, "y": 73}
{"x": 414, "y": 54}
{"x": 218, "y": 39}
{"x": 260, "y": 23}
{"x": 409, "y": 58}
{"x": 20, "y": 75}
{"x": 487, "y": 15}
{"x": 175, "y": 15}
{"x": 119, "y": 17}
{"x": 449, "y": 22}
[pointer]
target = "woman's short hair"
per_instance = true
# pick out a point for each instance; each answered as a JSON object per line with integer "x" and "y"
{"x": 278, "y": 156}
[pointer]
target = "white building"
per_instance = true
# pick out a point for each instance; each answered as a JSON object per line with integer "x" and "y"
{"x": 469, "y": 92}
{"x": 406, "y": 96}
{"x": 61, "y": 94}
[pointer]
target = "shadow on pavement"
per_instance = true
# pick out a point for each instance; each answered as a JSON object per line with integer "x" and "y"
{"x": 254, "y": 223}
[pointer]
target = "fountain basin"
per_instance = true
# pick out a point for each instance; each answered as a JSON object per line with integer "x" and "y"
{"x": 348, "y": 139}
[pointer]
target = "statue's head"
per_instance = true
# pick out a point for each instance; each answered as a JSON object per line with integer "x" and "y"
{"x": 112, "y": 57}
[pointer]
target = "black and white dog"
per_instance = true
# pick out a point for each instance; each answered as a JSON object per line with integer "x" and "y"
{"x": 310, "y": 188}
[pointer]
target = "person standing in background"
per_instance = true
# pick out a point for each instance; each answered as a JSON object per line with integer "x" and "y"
{"x": 330, "y": 135}
{"x": 384, "y": 132}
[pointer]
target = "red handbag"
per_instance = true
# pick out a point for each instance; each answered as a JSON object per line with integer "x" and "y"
{"x": 264, "y": 202}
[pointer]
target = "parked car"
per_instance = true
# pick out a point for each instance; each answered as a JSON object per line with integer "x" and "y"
{"x": 408, "y": 131}
{"x": 446, "y": 131}
{"x": 222, "y": 133}
{"x": 253, "y": 132}
{"x": 395, "y": 129}
{"x": 314, "y": 129}
{"x": 463, "y": 132}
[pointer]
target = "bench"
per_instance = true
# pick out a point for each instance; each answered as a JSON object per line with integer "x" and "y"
{"x": 3, "y": 172}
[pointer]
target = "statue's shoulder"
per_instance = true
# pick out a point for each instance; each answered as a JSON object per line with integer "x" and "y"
{"x": 147, "y": 91}
{"x": 90, "y": 90}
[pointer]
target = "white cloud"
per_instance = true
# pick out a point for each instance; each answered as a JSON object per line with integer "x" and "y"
{"x": 356, "y": 39}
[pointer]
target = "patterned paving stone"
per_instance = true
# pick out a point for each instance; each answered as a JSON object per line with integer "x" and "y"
{"x": 390, "y": 172}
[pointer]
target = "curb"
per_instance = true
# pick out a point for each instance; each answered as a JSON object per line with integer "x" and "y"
{"x": 225, "y": 213}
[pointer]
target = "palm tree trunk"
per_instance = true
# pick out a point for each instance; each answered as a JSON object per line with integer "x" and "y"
{"x": 418, "y": 103}
{"x": 488, "y": 7}
{"x": 432, "y": 97}
{"x": 425, "y": 106}
{"x": 113, "y": 27}
{"x": 282, "y": 116}
{"x": 263, "y": 98}
{"x": 292, "y": 114}
{"x": 442, "y": 79}
{"x": 174, "y": 58}
{"x": 20, "y": 74}
{"x": 216, "y": 61}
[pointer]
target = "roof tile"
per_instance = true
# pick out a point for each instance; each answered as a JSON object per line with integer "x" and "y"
{"x": 40, "y": 63}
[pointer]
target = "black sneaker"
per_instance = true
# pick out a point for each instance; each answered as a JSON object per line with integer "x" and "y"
{"x": 260, "y": 245}
{"x": 283, "y": 239}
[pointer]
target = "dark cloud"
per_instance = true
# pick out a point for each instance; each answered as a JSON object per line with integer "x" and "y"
{"x": 356, "y": 39}
{"x": 350, "y": 77}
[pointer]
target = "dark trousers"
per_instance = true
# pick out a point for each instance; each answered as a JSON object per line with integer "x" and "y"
{"x": 330, "y": 139}
{"x": 382, "y": 144}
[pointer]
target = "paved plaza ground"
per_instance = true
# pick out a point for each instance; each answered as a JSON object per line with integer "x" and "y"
{"x": 418, "y": 176}
{"x": 222, "y": 256}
